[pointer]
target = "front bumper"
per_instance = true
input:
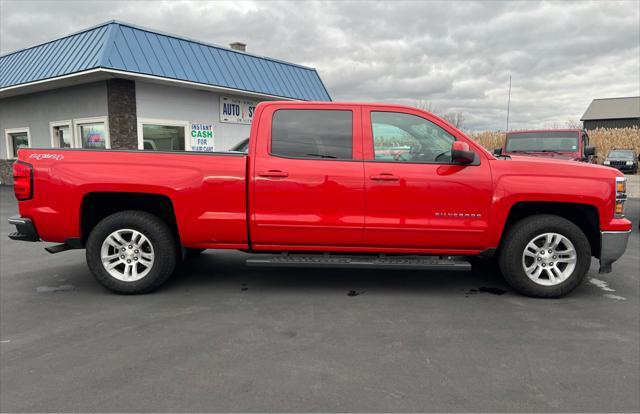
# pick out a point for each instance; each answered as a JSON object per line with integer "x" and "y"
{"x": 25, "y": 230}
{"x": 613, "y": 243}
{"x": 623, "y": 167}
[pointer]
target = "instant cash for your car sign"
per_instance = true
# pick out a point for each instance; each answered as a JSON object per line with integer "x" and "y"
{"x": 236, "y": 111}
{"x": 202, "y": 137}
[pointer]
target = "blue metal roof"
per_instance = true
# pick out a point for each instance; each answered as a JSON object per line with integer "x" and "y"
{"x": 121, "y": 46}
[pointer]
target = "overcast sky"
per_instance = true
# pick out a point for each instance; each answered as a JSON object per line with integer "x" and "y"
{"x": 457, "y": 56}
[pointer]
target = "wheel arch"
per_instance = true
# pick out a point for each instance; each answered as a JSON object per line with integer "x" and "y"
{"x": 585, "y": 216}
{"x": 96, "y": 206}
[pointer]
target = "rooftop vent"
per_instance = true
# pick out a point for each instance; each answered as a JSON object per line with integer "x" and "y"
{"x": 238, "y": 46}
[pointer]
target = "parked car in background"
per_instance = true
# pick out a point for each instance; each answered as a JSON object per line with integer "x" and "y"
{"x": 625, "y": 160}
{"x": 565, "y": 144}
{"x": 242, "y": 146}
{"x": 327, "y": 185}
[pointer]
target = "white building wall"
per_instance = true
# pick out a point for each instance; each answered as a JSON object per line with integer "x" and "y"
{"x": 36, "y": 110}
{"x": 185, "y": 105}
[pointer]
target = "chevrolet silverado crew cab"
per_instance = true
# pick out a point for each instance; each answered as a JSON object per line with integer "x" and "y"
{"x": 327, "y": 184}
{"x": 565, "y": 144}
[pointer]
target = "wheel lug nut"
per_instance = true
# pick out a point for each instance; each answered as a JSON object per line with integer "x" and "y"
{"x": 122, "y": 257}
{"x": 539, "y": 259}
{"x": 135, "y": 258}
{"x": 135, "y": 251}
{"x": 551, "y": 264}
{"x": 543, "y": 265}
{"x": 550, "y": 251}
{"x": 555, "y": 257}
{"x": 128, "y": 260}
{"x": 131, "y": 247}
{"x": 123, "y": 249}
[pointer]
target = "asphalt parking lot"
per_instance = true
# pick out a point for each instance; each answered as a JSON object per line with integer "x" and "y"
{"x": 223, "y": 337}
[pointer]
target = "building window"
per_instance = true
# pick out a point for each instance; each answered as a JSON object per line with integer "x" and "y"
{"x": 162, "y": 135}
{"x": 92, "y": 133}
{"x": 16, "y": 138}
{"x": 312, "y": 133}
{"x": 61, "y": 134}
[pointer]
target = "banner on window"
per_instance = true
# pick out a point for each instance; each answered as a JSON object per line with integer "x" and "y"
{"x": 202, "y": 138}
{"x": 236, "y": 111}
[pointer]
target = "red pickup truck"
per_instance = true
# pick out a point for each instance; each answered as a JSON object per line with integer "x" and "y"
{"x": 564, "y": 144}
{"x": 327, "y": 184}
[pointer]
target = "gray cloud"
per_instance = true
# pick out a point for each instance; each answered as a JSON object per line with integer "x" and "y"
{"x": 456, "y": 55}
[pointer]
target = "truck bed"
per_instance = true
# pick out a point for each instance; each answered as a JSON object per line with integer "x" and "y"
{"x": 207, "y": 190}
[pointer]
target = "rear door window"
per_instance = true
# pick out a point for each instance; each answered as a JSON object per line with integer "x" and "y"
{"x": 312, "y": 133}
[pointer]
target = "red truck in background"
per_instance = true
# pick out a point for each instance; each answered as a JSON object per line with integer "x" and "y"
{"x": 564, "y": 144}
{"x": 327, "y": 184}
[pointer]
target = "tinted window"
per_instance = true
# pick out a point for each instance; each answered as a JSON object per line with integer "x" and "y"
{"x": 621, "y": 154}
{"x": 542, "y": 141}
{"x": 310, "y": 133}
{"x": 409, "y": 138}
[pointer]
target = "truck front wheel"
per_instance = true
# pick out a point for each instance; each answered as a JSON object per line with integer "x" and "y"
{"x": 131, "y": 252}
{"x": 545, "y": 256}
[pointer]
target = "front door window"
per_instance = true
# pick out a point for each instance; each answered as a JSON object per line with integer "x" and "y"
{"x": 399, "y": 137}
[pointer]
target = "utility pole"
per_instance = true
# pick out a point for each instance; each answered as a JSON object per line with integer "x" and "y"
{"x": 509, "y": 103}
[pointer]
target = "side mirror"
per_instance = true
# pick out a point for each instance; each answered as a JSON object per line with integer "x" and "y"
{"x": 497, "y": 151}
{"x": 461, "y": 154}
{"x": 589, "y": 151}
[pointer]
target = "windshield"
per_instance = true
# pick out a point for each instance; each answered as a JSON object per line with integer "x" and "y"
{"x": 621, "y": 154}
{"x": 542, "y": 141}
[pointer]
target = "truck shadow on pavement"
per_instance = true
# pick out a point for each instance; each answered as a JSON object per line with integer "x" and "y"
{"x": 215, "y": 268}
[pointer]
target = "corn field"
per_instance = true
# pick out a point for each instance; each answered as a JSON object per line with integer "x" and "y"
{"x": 604, "y": 139}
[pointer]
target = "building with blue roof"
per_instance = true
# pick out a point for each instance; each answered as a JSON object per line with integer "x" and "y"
{"x": 117, "y": 86}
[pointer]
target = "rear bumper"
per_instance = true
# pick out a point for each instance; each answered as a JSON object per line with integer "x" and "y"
{"x": 613, "y": 243}
{"x": 25, "y": 230}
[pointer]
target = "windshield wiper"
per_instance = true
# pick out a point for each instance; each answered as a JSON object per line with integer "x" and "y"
{"x": 321, "y": 155}
{"x": 554, "y": 151}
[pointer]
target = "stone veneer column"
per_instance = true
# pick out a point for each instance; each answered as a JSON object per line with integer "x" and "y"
{"x": 6, "y": 172}
{"x": 123, "y": 121}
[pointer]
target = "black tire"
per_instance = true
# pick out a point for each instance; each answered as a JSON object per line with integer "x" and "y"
{"x": 158, "y": 234}
{"x": 521, "y": 233}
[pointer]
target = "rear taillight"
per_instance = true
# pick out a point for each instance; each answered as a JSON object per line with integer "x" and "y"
{"x": 22, "y": 180}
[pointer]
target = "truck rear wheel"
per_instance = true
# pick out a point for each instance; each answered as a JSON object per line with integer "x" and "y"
{"x": 545, "y": 256}
{"x": 131, "y": 252}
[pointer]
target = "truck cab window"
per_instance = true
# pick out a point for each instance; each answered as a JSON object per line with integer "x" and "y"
{"x": 403, "y": 137}
{"x": 312, "y": 133}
